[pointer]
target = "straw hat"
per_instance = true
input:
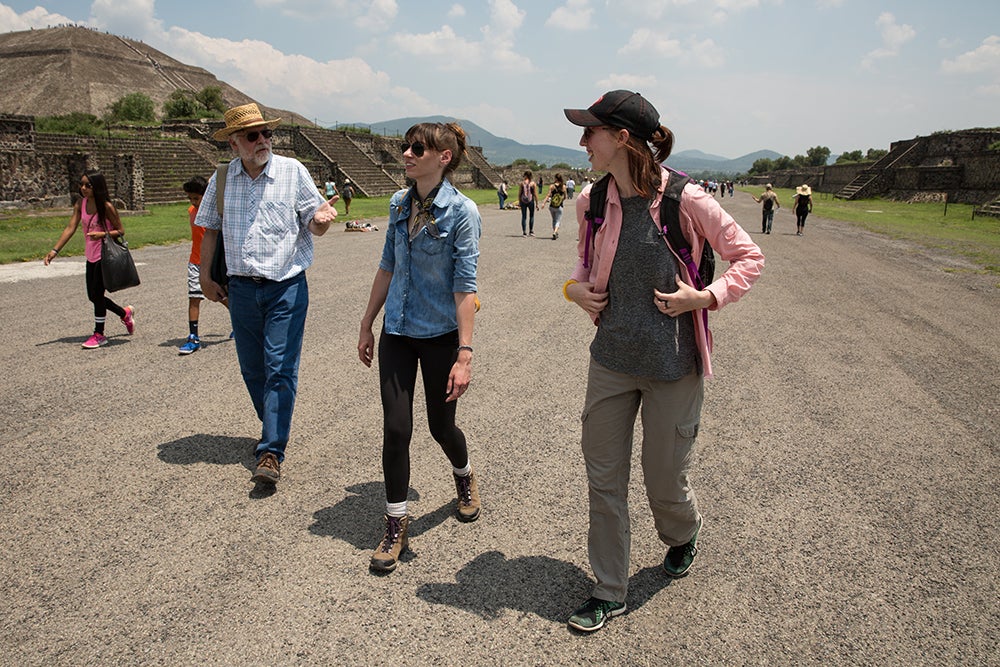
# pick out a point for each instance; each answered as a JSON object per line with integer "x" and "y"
{"x": 243, "y": 118}
{"x": 803, "y": 190}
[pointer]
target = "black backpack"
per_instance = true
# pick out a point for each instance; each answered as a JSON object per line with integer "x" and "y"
{"x": 670, "y": 221}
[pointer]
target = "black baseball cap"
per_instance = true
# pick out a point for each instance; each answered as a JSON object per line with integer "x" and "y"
{"x": 619, "y": 108}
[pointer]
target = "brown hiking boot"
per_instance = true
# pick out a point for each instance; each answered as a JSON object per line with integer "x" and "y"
{"x": 468, "y": 504}
{"x": 268, "y": 469}
{"x": 393, "y": 544}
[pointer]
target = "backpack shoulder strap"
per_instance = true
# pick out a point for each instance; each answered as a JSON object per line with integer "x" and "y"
{"x": 595, "y": 214}
{"x": 220, "y": 187}
{"x": 670, "y": 210}
{"x": 598, "y": 199}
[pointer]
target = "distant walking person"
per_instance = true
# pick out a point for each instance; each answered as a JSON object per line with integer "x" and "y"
{"x": 803, "y": 205}
{"x": 527, "y": 197}
{"x": 426, "y": 280}
{"x": 348, "y": 195}
{"x": 502, "y": 193}
{"x": 570, "y": 187}
{"x": 272, "y": 212}
{"x": 99, "y": 219}
{"x": 555, "y": 199}
{"x": 770, "y": 202}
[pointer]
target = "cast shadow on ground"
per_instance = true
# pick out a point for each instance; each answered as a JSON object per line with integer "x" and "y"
{"x": 119, "y": 339}
{"x": 357, "y": 519}
{"x": 206, "y": 341}
{"x": 548, "y": 588}
{"x": 206, "y": 448}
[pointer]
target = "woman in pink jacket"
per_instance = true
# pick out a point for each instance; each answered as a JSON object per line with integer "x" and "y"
{"x": 652, "y": 346}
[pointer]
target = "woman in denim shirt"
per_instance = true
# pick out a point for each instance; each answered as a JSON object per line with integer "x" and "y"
{"x": 426, "y": 280}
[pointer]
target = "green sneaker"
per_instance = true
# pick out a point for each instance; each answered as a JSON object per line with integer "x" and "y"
{"x": 594, "y": 612}
{"x": 678, "y": 559}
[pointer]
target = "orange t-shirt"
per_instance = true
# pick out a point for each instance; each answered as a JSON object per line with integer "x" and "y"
{"x": 197, "y": 233}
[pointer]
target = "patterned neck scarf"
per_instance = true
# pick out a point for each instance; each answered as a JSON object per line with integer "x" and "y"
{"x": 423, "y": 217}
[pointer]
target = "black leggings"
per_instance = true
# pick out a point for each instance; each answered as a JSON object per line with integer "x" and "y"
{"x": 95, "y": 292}
{"x": 398, "y": 357}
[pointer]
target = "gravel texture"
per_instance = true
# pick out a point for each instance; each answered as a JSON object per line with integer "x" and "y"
{"x": 847, "y": 471}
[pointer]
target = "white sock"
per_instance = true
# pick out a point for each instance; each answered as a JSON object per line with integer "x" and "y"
{"x": 463, "y": 472}
{"x": 395, "y": 509}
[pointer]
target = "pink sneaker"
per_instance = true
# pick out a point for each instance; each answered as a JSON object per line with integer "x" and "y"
{"x": 129, "y": 320}
{"x": 95, "y": 341}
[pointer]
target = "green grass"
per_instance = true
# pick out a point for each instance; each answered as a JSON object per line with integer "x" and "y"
{"x": 27, "y": 236}
{"x": 977, "y": 239}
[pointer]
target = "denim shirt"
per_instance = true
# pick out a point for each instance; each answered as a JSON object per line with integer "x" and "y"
{"x": 427, "y": 272}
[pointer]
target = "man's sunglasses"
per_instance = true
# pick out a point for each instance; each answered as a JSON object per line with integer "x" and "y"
{"x": 253, "y": 135}
{"x": 417, "y": 147}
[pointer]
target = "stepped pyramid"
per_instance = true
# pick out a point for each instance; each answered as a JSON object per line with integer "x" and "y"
{"x": 56, "y": 71}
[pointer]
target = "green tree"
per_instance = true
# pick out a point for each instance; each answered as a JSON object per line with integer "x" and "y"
{"x": 875, "y": 154}
{"x": 817, "y": 156}
{"x": 762, "y": 166}
{"x": 134, "y": 107}
{"x": 784, "y": 162}
{"x": 850, "y": 156}
{"x": 182, "y": 104}
{"x": 210, "y": 98}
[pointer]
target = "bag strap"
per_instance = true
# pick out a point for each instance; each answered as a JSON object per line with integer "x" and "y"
{"x": 595, "y": 214}
{"x": 670, "y": 223}
{"x": 220, "y": 187}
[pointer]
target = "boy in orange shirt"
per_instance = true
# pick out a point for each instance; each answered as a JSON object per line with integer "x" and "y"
{"x": 195, "y": 190}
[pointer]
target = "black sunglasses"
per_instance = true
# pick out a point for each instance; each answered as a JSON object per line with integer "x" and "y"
{"x": 252, "y": 136}
{"x": 417, "y": 147}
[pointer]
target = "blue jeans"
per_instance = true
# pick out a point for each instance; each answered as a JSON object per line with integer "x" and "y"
{"x": 269, "y": 319}
{"x": 525, "y": 210}
{"x": 502, "y": 198}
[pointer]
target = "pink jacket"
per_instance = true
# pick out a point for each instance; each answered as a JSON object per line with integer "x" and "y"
{"x": 701, "y": 217}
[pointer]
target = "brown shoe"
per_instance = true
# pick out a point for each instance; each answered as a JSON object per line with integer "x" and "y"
{"x": 268, "y": 469}
{"x": 393, "y": 544}
{"x": 468, "y": 504}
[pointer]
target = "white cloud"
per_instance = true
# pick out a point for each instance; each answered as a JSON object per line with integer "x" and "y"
{"x": 986, "y": 58}
{"x": 39, "y": 17}
{"x": 645, "y": 40}
{"x": 627, "y": 82}
{"x": 379, "y": 16}
{"x": 444, "y": 47}
{"x": 456, "y": 11}
{"x": 700, "y": 52}
{"x": 129, "y": 18}
{"x": 505, "y": 17}
{"x": 575, "y": 15}
{"x": 894, "y": 36}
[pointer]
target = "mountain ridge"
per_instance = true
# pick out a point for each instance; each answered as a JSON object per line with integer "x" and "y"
{"x": 503, "y": 151}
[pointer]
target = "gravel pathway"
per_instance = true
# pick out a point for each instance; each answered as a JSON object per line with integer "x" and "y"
{"x": 847, "y": 469}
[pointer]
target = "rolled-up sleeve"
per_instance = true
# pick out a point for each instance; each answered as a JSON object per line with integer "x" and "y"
{"x": 467, "y": 230}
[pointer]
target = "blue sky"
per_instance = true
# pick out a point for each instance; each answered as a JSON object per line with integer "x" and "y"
{"x": 729, "y": 77}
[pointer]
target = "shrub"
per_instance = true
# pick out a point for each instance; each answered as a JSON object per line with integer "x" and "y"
{"x": 73, "y": 123}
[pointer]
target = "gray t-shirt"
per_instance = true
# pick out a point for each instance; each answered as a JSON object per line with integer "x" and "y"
{"x": 634, "y": 337}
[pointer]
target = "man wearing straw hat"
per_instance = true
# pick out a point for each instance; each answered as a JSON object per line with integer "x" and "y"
{"x": 272, "y": 211}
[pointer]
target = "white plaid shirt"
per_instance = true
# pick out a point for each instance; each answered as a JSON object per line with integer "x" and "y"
{"x": 266, "y": 219}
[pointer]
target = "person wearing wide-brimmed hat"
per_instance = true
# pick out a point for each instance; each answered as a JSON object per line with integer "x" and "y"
{"x": 273, "y": 210}
{"x": 652, "y": 345}
{"x": 802, "y": 203}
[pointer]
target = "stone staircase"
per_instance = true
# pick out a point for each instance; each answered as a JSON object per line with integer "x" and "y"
{"x": 868, "y": 182}
{"x": 990, "y": 208}
{"x": 487, "y": 176}
{"x": 350, "y": 161}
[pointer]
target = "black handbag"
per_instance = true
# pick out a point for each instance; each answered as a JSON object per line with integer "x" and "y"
{"x": 218, "y": 271}
{"x": 117, "y": 266}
